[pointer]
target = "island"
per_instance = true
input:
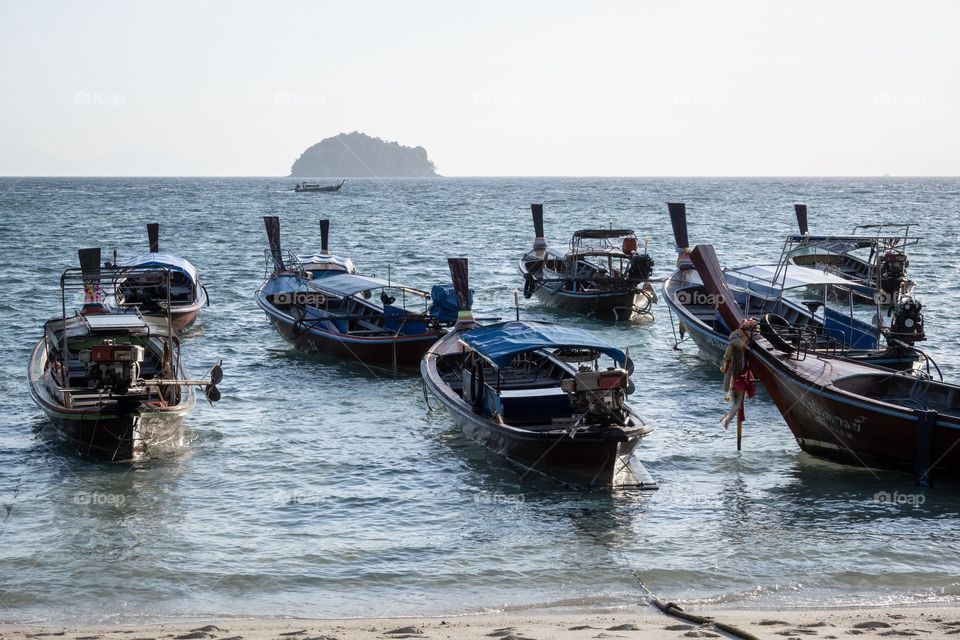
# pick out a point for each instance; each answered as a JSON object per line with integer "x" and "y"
{"x": 357, "y": 155}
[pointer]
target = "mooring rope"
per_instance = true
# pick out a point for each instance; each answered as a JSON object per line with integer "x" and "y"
{"x": 676, "y": 611}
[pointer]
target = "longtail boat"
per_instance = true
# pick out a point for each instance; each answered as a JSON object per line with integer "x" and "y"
{"x": 141, "y": 283}
{"x": 315, "y": 187}
{"x": 113, "y": 385}
{"x": 603, "y": 273}
{"x": 333, "y": 311}
{"x": 883, "y": 268}
{"x": 840, "y": 409}
{"x": 763, "y": 289}
{"x": 533, "y": 392}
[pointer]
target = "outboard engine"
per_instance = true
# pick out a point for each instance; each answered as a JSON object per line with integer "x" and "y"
{"x": 113, "y": 366}
{"x": 641, "y": 267}
{"x": 907, "y": 323}
{"x": 598, "y": 395}
{"x": 893, "y": 273}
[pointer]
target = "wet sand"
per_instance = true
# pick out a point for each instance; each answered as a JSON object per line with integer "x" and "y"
{"x": 643, "y": 624}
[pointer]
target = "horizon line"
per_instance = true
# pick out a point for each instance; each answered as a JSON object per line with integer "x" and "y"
{"x": 598, "y": 176}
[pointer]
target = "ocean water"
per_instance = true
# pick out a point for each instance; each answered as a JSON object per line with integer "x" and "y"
{"x": 315, "y": 488}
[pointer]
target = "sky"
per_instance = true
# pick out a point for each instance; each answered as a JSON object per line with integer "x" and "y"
{"x": 530, "y": 88}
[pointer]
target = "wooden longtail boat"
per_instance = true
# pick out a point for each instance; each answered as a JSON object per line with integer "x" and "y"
{"x": 336, "y": 314}
{"x": 140, "y": 284}
{"x": 514, "y": 388}
{"x": 315, "y": 187}
{"x": 602, "y": 273}
{"x": 843, "y": 410}
{"x": 761, "y": 289}
{"x": 883, "y": 269}
{"x": 113, "y": 385}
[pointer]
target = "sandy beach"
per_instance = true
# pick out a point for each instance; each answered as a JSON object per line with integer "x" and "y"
{"x": 925, "y": 622}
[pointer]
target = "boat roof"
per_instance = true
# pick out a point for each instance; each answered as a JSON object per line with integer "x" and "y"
{"x": 769, "y": 279}
{"x": 500, "y": 342}
{"x": 349, "y": 284}
{"x": 163, "y": 261}
{"x": 602, "y": 233}
{"x": 108, "y": 323}
{"x": 318, "y": 259}
{"x": 857, "y": 241}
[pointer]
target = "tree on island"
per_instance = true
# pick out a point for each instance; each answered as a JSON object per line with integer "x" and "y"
{"x": 357, "y": 155}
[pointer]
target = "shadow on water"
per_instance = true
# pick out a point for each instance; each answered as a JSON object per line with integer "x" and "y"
{"x": 335, "y": 367}
{"x": 816, "y": 491}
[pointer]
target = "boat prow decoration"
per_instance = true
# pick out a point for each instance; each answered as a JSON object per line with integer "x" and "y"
{"x": 841, "y": 409}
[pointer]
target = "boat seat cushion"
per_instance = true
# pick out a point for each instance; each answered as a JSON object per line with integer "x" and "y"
{"x": 533, "y": 406}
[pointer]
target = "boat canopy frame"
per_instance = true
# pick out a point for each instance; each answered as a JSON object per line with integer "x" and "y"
{"x": 499, "y": 343}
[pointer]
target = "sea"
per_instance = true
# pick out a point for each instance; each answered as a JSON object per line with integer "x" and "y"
{"x": 319, "y": 488}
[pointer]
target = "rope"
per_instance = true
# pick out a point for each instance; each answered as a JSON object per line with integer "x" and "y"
{"x": 676, "y": 611}
{"x": 673, "y": 610}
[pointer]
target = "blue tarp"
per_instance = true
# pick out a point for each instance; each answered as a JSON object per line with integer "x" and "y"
{"x": 852, "y": 332}
{"x": 398, "y": 318}
{"x": 500, "y": 342}
{"x": 443, "y": 305}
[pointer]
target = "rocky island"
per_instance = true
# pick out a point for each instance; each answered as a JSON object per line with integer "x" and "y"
{"x": 357, "y": 155}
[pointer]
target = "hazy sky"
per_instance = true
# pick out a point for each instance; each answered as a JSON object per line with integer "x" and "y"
{"x": 489, "y": 88}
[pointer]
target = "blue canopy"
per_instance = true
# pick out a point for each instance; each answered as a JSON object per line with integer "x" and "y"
{"x": 499, "y": 343}
{"x": 163, "y": 261}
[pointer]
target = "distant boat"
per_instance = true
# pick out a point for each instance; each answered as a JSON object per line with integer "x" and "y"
{"x": 140, "y": 284}
{"x": 112, "y": 384}
{"x": 316, "y": 186}
{"x": 762, "y": 289}
{"x": 843, "y": 410}
{"x": 602, "y": 273}
{"x": 533, "y": 392}
{"x": 333, "y": 311}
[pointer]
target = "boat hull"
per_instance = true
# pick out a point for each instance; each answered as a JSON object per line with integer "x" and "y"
{"x": 110, "y": 435}
{"x": 587, "y": 460}
{"x": 615, "y": 304}
{"x": 831, "y": 424}
{"x": 401, "y": 352}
